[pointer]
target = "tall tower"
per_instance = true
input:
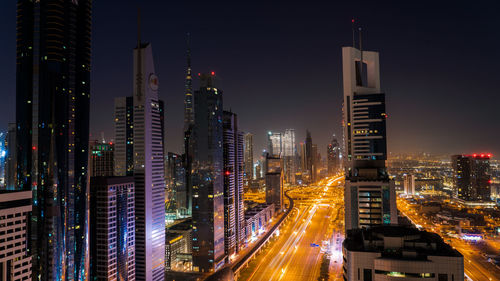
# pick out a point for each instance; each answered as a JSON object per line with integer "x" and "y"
{"x": 234, "y": 216}
{"x": 148, "y": 168}
{"x": 248, "y": 156}
{"x": 52, "y": 122}
{"x": 289, "y": 155}
{"x": 207, "y": 178}
{"x": 309, "y": 156}
{"x": 188, "y": 90}
{"x": 333, "y": 156}
{"x": 369, "y": 193}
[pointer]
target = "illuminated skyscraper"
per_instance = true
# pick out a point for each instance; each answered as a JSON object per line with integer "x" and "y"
{"x": 248, "y": 145}
{"x": 234, "y": 216}
{"x": 274, "y": 143}
{"x": 206, "y": 141}
{"x": 274, "y": 181}
{"x": 471, "y": 175}
{"x": 369, "y": 193}
{"x": 52, "y": 120}
{"x": 188, "y": 91}
{"x": 176, "y": 182}
{"x": 333, "y": 156}
{"x": 112, "y": 231}
{"x": 309, "y": 157}
{"x": 11, "y": 158}
{"x": 101, "y": 159}
{"x": 409, "y": 184}
{"x": 289, "y": 155}
{"x": 148, "y": 168}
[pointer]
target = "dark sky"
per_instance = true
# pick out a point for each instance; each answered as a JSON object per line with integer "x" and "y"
{"x": 279, "y": 65}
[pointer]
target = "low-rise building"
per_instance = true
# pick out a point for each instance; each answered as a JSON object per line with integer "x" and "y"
{"x": 383, "y": 252}
{"x": 178, "y": 253}
{"x": 256, "y": 219}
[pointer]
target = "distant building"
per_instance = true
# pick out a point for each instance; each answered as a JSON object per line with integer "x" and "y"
{"x": 333, "y": 157}
{"x": 112, "y": 231}
{"x": 274, "y": 182}
{"x": 309, "y": 157}
{"x": 471, "y": 177}
{"x": 101, "y": 159}
{"x": 398, "y": 252}
{"x": 370, "y": 197}
{"x": 207, "y": 179}
{"x": 409, "y": 184}
{"x": 289, "y": 155}
{"x": 233, "y": 184}
{"x": 176, "y": 184}
{"x": 274, "y": 143}
{"x": 15, "y": 262}
{"x": 11, "y": 158}
{"x": 248, "y": 146}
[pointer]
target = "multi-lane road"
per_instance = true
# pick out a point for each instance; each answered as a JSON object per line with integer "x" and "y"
{"x": 297, "y": 253}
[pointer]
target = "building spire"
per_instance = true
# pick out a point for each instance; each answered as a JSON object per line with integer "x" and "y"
{"x": 138, "y": 27}
{"x": 188, "y": 51}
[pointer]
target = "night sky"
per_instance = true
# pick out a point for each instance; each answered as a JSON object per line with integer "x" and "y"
{"x": 279, "y": 66}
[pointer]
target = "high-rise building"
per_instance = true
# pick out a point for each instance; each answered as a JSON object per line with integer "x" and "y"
{"x": 409, "y": 184}
{"x": 309, "y": 157}
{"x": 333, "y": 157}
{"x": 274, "y": 181}
{"x": 15, "y": 260}
{"x": 148, "y": 168}
{"x": 124, "y": 136}
{"x": 112, "y": 232}
{"x": 188, "y": 91}
{"x": 10, "y": 158}
{"x": 471, "y": 175}
{"x": 399, "y": 253}
{"x": 176, "y": 183}
{"x": 274, "y": 143}
{"x": 101, "y": 159}
{"x": 289, "y": 155}
{"x": 369, "y": 193}
{"x": 52, "y": 120}
{"x": 234, "y": 215}
{"x": 248, "y": 146}
{"x": 207, "y": 180}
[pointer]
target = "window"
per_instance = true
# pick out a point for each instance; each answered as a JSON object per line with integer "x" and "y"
{"x": 367, "y": 274}
{"x": 442, "y": 277}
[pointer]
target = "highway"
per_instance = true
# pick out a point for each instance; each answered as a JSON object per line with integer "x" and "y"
{"x": 475, "y": 265}
{"x": 297, "y": 253}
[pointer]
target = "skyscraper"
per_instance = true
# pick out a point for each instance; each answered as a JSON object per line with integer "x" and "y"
{"x": 101, "y": 159}
{"x": 207, "y": 178}
{"x": 52, "y": 120}
{"x": 15, "y": 260}
{"x": 148, "y": 168}
{"x": 369, "y": 193}
{"x": 471, "y": 177}
{"x": 112, "y": 232}
{"x": 289, "y": 155}
{"x": 409, "y": 184}
{"x": 234, "y": 216}
{"x": 333, "y": 156}
{"x": 274, "y": 143}
{"x": 248, "y": 145}
{"x": 124, "y": 136}
{"x": 176, "y": 181}
{"x": 11, "y": 158}
{"x": 274, "y": 181}
{"x": 188, "y": 90}
{"x": 309, "y": 157}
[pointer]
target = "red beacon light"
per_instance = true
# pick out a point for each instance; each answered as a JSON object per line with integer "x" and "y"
{"x": 213, "y": 73}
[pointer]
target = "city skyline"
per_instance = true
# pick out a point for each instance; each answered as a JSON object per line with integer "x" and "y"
{"x": 409, "y": 50}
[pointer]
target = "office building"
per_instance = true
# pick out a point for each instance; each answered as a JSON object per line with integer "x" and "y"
{"x": 234, "y": 221}
{"x": 124, "y": 136}
{"x": 112, "y": 232}
{"x": 10, "y": 158}
{"x": 178, "y": 246}
{"x": 369, "y": 193}
{"x": 101, "y": 159}
{"x": 333, "y": 157}
{"x": 309, "y": 157}
{"x": 274, "y": 143}
{"x": 176, "y": 184}
{"x": 248, "y": 161}
{"x": 399, "y": 253}
{"x": 289, "y": 156}
{"x": 471, "y": 177}
{"x": 15, "y": 260}
{"x": 257, "y": 218}
{"x": 52, "y": 120}
{"x": 409, "y": 184}
{"x": 316, "y": 162}
{"x": 148, "y": 169}
{"x": 207, "y": 180}
{"x": 274, "y": 182}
